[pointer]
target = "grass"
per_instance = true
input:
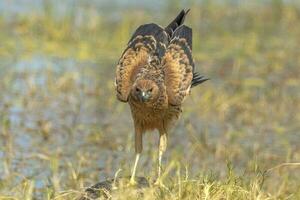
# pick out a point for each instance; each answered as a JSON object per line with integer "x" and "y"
{"x": 62, "y": 128}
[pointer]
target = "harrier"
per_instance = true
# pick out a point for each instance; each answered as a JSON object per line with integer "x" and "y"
{"x": 154, "y": 75}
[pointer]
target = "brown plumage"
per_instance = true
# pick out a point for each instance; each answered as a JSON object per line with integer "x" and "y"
{"x": 154, "y": 75}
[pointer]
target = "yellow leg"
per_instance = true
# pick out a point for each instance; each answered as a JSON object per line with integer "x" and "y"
{"x": 132, "y": 179}
{"x": 161, "y": 150}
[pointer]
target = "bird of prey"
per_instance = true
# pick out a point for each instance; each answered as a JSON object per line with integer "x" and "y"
{"x": 154, "y": 75}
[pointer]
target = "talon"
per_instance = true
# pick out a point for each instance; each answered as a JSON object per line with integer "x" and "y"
{"x": 132, "y": 182}
{"x": 159, "y": 183}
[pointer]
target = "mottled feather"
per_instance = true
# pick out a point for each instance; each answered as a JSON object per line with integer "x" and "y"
{"x": 147, "y": 44}
{"x": 178, "y": 65}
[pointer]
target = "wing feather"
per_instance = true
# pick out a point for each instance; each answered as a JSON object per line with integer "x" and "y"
{"x": 178, "y": 65}
{"x": 148, "y": 41}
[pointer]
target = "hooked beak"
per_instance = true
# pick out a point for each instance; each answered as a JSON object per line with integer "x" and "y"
{"x": 144, "y": 96}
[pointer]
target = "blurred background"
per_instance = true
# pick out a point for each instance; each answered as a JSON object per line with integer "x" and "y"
{"x": 61, "y": 127}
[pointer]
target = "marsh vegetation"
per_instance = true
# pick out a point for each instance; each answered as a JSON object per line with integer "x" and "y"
{"x": 62, "y": 128}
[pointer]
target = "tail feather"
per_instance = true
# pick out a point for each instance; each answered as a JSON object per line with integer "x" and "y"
{"x": 198, "y": 79}
{"x": 170, "y": 29}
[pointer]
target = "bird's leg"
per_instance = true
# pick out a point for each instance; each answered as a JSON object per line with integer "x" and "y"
{"x": 162, "y": 148}
{"x": 132, "y": 179}
{"x": 138, "y": 150}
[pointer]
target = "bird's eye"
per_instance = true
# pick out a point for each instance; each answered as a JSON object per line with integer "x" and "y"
{"x": 137, "y": 89}
{"x": 150, "y": 90}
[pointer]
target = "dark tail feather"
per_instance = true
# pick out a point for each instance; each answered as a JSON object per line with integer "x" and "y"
{"x": 198, "y": 79}
{"x": 176, "y": 22}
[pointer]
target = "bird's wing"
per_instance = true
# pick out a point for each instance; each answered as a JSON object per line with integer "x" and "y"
{"x": 178, "y": 65}
{"x": 147, "y": 42}
{"x": 178, "y": 21}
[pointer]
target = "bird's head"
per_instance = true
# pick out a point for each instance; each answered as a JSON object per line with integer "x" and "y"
{"x": 145, "y": 90}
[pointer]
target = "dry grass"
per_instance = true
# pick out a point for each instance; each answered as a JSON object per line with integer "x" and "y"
{"x": 62, "y": 128}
